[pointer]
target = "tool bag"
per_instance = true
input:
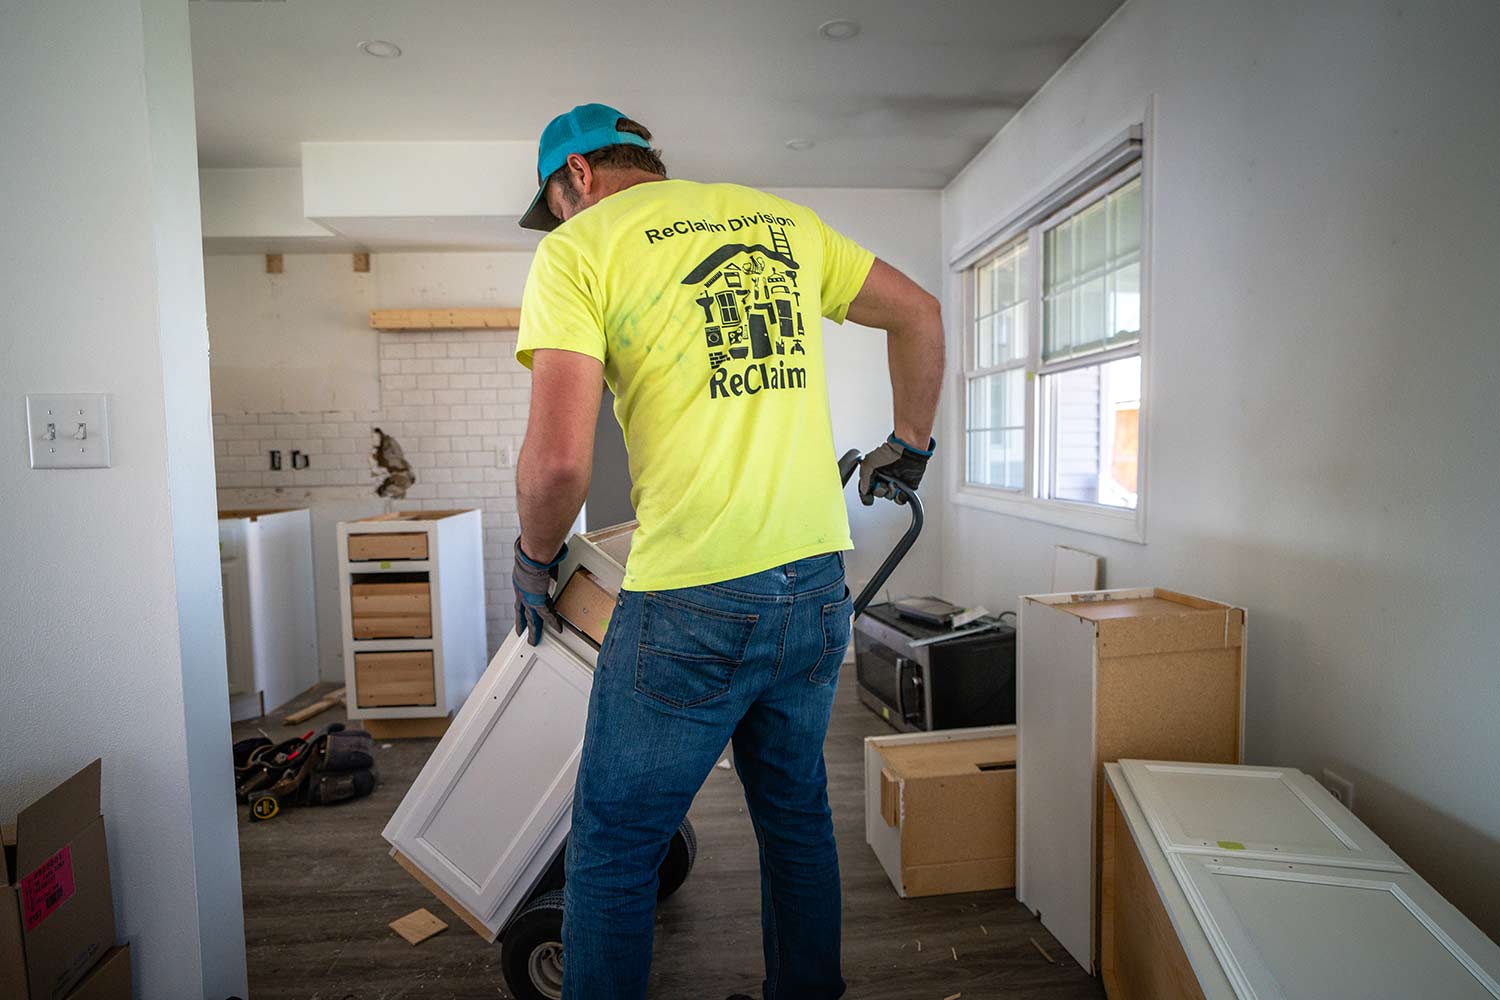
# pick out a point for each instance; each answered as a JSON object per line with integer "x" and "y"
{"x": 335, "y": 765}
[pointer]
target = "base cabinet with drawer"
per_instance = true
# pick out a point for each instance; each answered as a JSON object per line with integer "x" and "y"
{"x": 1236, "y": 882}
{"x": 412, "y": 596}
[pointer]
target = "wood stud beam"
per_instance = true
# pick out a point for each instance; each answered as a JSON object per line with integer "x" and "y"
{"x": 445, "y": 319}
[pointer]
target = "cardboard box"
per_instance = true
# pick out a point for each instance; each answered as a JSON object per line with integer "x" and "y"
{"x": 941, "y": 809}
{"x": 109, "y": 980}
{"x": 57, "y": 916}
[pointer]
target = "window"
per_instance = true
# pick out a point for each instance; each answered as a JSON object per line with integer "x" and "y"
{"x": 1052, "y": 360}
{"x": 996, "y": 427}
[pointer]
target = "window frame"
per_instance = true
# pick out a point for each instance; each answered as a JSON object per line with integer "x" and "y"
{"x": 972, "y": 370}
{"x": 1121, "y": 523}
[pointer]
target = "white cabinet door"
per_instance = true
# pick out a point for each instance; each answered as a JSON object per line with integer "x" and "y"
{"x": 1273, "y": 813}
{"x": 1302, "y": 931}
{"x": 492, "y": 805}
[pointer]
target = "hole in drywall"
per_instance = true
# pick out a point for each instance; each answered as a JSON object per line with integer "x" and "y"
{"x": 386, "y": 454}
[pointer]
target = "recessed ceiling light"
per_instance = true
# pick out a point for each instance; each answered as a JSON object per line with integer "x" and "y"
{"x": 839, "y": 31}
{"x": 380, "y": 49}
{"x": 798, "y": 145}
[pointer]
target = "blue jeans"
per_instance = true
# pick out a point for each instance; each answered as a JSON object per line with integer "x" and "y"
{"x": 683, "y": 672}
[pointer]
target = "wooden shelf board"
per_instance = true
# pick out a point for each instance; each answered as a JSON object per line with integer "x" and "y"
{"x": 445, "y": 319}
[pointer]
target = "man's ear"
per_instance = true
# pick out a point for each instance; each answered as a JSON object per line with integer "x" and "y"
{"x": 579, "y": 168}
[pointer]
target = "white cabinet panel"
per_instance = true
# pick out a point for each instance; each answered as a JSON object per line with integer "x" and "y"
{"x": 1274, "y": 813}
{"x": 490, "y": 808}
{"x": 1293, "y": 931}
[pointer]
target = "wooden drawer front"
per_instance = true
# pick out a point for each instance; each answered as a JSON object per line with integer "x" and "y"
{"x": 391, "y": 610}
{"x": 371, "y": 599}
{"x": 389, "y": 680}
{"x": 388, "y": 545}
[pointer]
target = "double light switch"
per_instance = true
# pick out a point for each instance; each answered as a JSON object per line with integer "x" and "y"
{"x": 68, "y": 432}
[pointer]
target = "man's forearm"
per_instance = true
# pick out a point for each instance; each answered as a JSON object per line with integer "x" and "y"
{"x": 548, "y": 498}
{"x": 914, "y": 353}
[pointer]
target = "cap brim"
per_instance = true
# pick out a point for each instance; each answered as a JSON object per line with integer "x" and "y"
{"x": 539, "y": 216}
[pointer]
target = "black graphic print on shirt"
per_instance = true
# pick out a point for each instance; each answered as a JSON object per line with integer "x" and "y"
{"x": 752, "y": 318}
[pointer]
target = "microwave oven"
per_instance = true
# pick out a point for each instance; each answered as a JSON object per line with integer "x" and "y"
{"x": 916, "y": 680}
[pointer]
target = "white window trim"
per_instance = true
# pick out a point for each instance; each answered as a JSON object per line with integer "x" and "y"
{"x": 971, "y": 369}
{"x": 1126, "y": 525}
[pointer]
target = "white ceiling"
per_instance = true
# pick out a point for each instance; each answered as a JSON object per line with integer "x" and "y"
{"x": 723, "y": 85}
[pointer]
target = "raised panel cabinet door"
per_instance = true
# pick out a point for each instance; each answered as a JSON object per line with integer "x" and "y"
{"x": 491, "y": 807}
{"x": 1293, "y": 931}
{"x": 1273, "y": 813}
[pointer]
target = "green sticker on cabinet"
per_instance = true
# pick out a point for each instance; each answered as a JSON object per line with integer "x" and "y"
{"x": 1231, "y": 845}
{"x": 885, "y": 713}
{"x": 385, "y": 565}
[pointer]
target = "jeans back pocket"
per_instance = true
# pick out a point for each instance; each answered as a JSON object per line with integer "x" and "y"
{"x": 838, "y": 619}
{"x": 688, "y": 653}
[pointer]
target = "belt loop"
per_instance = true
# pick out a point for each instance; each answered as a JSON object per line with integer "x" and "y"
{"x": 791, "y": 574}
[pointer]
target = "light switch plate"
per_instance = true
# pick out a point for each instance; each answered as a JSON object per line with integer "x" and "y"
{"x": 69, "y": 431}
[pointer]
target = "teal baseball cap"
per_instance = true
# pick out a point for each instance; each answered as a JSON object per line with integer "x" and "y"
{"x": 584, "y": 129}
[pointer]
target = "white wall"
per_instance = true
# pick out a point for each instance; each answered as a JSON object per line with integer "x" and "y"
{"x": 111, "y": 613}
{"x": 1323, "y": 373}
{"x": 294, "y": 341}
{"x": 901, "y": 227}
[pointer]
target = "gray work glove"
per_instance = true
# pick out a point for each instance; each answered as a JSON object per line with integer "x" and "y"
{"x": 533, "y": 585}
{"x": 893, "y": 460}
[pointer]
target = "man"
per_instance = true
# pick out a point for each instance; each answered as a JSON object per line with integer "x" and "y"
{"x": 701, "y": 306}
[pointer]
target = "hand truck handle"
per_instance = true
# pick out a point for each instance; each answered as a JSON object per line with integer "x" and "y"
{"x": 847, "y": 464}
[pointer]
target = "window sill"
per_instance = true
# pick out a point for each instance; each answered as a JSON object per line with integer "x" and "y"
{"x": 1126, "y": 525}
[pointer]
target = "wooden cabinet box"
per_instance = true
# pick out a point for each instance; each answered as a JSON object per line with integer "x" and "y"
{"x": 1103, "y": 675}
{"x": 1232, "y": 883}
{"x": 383, "y": 680}
{"x": 370, "y": 547}
{"x": 380, "y": 610}
{"x": 940, "y": 809}
{"x": 411, "y": 583}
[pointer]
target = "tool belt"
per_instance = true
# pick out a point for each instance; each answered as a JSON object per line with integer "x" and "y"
{"x": 334, "y": 764}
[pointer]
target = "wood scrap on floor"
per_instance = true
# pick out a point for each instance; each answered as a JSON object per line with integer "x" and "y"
{"x": 418, "y": 925}
{"x": 1043, "y": 951}
{"x": 332, "y": 698}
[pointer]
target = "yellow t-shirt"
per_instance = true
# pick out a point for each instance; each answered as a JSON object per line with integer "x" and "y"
{"x": 704, "y": 303}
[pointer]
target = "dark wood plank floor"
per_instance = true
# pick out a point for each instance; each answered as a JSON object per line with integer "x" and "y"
{"x": 320, "y": 889}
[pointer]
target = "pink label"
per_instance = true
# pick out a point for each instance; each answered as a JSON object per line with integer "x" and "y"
{"x": 47, "y": 888}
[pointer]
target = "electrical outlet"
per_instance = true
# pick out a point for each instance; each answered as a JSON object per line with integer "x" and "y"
{"x": 1341, "y": 787}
